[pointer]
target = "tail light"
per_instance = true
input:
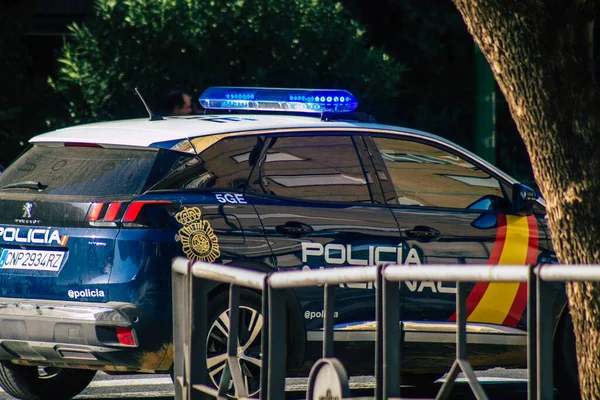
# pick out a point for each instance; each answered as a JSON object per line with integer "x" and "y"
{"x": 125, "y": 336}
{"x": 147, "y": 214}
{"x": 137, "y": 214}
{"x": 105, "y": 214}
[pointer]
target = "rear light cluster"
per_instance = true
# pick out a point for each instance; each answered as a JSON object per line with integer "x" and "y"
{"x": 129, "y": 214}
{"x": 125, "y": 336}
{"x": 105, "y": 214}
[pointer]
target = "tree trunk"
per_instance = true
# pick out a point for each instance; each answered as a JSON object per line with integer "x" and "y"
{"x": 541, "y": 53}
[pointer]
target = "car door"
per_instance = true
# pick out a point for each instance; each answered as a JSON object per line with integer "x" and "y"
{"x": 453, "y": 210}
{"x": 319, "y": 209}
{"x": 215, "y": 222}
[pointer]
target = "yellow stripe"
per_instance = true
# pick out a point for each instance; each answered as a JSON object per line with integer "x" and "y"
{"x": 498, "y": 298}
{"x": 517, "y": 241}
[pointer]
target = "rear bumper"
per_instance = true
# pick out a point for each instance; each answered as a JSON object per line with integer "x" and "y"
{"x": 75, "y": 334}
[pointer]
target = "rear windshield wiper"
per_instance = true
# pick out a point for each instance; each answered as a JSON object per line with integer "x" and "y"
{"x": 26, "y": 185}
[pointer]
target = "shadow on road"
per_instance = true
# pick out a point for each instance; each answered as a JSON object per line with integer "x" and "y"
{"x": 460, "y": 390}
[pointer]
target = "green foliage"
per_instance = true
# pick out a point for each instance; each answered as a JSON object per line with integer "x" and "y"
{"x": 160, "y": 45}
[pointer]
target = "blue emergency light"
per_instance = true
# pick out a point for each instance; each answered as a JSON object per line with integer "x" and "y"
{"x": 278, "y": 99}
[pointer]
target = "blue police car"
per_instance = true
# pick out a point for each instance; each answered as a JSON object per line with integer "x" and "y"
{"x": 269, "y": 179}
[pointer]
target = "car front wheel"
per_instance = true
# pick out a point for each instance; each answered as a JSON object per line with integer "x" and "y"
{"x": 43, "y": 383}
{"x": 249, "y": 356}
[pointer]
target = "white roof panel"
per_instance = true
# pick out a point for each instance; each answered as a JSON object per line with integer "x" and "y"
{"x": 143, "y": 133}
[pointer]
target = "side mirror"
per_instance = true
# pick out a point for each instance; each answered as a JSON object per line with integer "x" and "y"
{"x": 523, "y": 199}
{"x": 485, "y": 221}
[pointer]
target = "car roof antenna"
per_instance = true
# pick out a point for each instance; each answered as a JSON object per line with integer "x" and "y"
{"x": 153, "y": 117}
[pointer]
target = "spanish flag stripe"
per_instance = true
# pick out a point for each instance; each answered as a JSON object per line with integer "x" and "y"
{"x": 475, "y": 296}
{"x": 498, "y": 299}
{"x": 517, "y": 241}
{"x": 518, "y": 306}
{"x": 520, "y": 302}
{"x": 532, "y": 252}
{"x": 499, "y": 243}
{"x": 480, "y": 287}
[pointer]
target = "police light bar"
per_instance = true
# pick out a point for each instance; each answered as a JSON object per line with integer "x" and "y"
{"x": 278, "y": 99}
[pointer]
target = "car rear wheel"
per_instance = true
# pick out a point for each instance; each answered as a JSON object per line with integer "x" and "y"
{"x": 249, "y": 355}
{"x": 43, "y": 383}
{"x": 566, "y": 376}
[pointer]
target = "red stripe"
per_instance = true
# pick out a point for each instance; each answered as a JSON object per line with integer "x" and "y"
{"x": 520, "y": 302}
{"x": 500, "y": 239}
{"x": 478, "y": 291}
{"x": 473, "y": 298}
{"x": 533, "y": 250}
{"x": 518, "y": 306}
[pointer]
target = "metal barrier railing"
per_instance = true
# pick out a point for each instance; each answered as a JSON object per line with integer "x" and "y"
{"x": 190, "y": 296}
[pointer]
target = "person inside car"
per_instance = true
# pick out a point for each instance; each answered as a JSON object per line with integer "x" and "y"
{"x": 176, "y": 102}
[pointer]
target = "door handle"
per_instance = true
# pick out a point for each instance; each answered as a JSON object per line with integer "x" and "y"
{"x": 423, "y": 233}
{"x": 294, "y": 229}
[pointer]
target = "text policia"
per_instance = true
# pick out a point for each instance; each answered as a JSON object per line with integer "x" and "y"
{"x": 318, "y": 255}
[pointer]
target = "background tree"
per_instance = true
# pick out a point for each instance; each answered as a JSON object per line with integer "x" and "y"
{"x": 433, "y": 42}
{"x": 438, "y": 84}
{"x": 541, "y": 53}
{"x": 435, "y": 92}
{"x": 25, "y": 98}
{"x": 160, "y": 45}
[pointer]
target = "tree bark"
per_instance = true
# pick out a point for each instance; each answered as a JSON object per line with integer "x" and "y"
{"x": 541, "y": 53}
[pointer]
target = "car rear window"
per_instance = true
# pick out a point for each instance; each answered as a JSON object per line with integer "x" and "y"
{"x": 79, "y": 171}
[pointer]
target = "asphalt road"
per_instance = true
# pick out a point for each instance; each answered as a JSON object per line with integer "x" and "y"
{"x": 499, "y": 384}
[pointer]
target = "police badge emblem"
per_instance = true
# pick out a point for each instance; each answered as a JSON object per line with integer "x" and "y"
{"x": 197, "y": 236}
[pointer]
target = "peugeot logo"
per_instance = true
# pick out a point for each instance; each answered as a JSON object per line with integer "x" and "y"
{"x": 27, "y": 210}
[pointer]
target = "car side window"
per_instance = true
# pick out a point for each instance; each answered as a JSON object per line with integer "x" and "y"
{"x": 428, "y": 176}
{"x": 322, "y": 168}
{"x": 225, "y": 164}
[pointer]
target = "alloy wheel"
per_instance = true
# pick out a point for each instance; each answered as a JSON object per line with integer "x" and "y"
{"x": 249, "y": 356}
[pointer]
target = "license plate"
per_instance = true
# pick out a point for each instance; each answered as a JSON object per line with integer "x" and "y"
{"x": 38, "y": 260}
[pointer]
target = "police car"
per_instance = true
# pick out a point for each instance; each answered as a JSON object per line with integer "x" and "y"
{"x": 270, "y": 179}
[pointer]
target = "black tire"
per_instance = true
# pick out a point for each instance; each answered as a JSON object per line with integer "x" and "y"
{"x": 249, "y": 336}
{"x": 43, "y": 383}
{"x": 566, "y": 376}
